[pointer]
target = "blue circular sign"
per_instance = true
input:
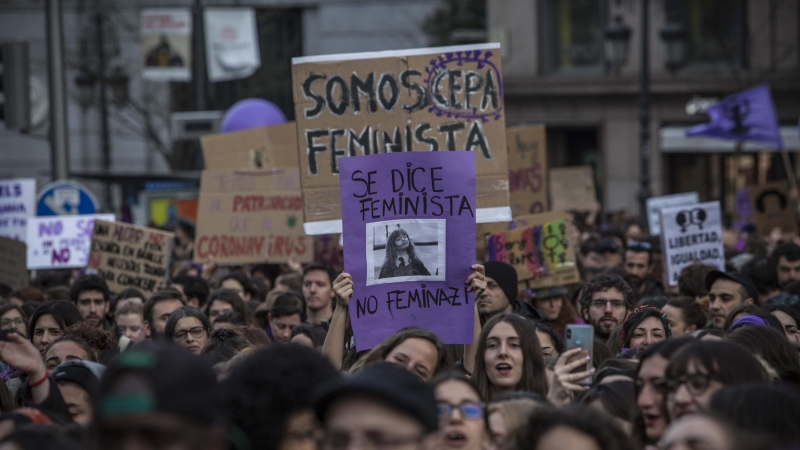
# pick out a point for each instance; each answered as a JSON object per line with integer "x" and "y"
{"x": 65, "y": 198}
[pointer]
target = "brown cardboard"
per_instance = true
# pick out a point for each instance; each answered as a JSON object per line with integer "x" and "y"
{"x": 251, "y": 216}
{"x": 772, "y": 207}
{"x": 328, "y": 250}
{"x": 128, "y": 255}
{"x": 13, "y": 264}
{"x": 559, "y": 258}
{"x": 411, "y": 117}
{"x": 527, "y": 169}
{"x": 572, "y": 189}
{"x": 257, "y": 148}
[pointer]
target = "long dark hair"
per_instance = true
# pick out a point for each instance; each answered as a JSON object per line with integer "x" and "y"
{"x": 383, "y": 349}
{"x": 64, "y": 313}
{"x": 773, "y": 346}
{"x": 180, "y": 313}
{"x": 636, "y": 317}
{"x": 728, "y": 362}
{"x": 391, "y": 250}
{"x": 533, "y": 368}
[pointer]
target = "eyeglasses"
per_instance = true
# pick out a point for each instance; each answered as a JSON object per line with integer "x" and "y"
{"x": 696, "y": 384}
{"x": 469, "y": 410}
{"x": 639, "y": 245}
{"x": 370, "y": 440}
{"x": 16, "y": 322}
{"x": 196, "y": 332}
{"x": 601, "y": 303}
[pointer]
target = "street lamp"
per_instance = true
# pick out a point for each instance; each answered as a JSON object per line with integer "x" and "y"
{"x": 617, "y": 35}
{"x": 674, "y": 36}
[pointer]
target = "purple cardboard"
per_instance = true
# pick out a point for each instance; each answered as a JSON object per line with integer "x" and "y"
{"x": 409, "y": 242}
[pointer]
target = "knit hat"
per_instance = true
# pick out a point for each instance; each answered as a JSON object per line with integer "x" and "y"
{"x": 505, "y": 276}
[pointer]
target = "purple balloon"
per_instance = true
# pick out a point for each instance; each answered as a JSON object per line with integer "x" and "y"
{"x": 251, "y": 113}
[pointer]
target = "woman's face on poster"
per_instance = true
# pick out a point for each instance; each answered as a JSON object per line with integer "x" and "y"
{"x": 401, "y": 241}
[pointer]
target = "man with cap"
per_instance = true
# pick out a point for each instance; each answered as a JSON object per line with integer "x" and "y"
{"x": 609, "y": 251}
{"x": 382, "y": 406}
{"x": 500, "y": 295}
{"x": 725, "y": 292}
{"x": 160, "y": 397}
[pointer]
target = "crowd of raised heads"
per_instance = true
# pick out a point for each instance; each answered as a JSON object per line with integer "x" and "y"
{"x": 264, "y": 357}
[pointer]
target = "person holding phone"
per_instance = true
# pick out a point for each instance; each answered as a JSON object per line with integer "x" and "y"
{"x": 508, "y": 358}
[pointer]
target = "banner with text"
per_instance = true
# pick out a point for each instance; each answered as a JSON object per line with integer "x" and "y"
{"x": 248, "y": 216}
{"x": 541, "y": 248}
{"x": 409, "y": 236}
{"x": 128, "y": 255}
{"x": 655, "y": 204}
{"x": 772, "y": 207}
{"x": 691, "y": 234}
{"x": 17, "y": 203}
{"x": 429, "y": 99}
{"x": 13, "y": 269}
{"x": 61, "y": 242}
{"x": 527, "y": 169}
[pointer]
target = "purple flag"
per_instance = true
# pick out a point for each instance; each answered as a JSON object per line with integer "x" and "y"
{"x": 748, "y": 115}
{"x": 409, "y": 240}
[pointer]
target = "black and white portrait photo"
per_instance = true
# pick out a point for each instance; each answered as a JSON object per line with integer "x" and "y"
{"x": 406, "y": 250}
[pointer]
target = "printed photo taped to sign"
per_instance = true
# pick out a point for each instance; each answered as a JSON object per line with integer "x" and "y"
{"x": 409, "y": 257}
{"x": 431, "y": 99}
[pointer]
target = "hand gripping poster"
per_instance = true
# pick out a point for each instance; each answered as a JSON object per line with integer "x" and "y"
{"x": 409, "y": 242}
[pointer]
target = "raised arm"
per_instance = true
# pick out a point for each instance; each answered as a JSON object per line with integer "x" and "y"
{"x": 333, "y": 348}
{"x": 477, "y": 284}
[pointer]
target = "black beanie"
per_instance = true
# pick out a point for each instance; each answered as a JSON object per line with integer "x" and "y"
{"x": 506, "y": 277}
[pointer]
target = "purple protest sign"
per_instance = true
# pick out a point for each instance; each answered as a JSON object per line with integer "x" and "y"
{"x": 409, "y": 242}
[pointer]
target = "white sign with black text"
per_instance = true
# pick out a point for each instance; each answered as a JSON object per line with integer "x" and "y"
{"x": 17, "y": 204}
{"x": 691, "y": 234}
{"x": 655, "y": 204}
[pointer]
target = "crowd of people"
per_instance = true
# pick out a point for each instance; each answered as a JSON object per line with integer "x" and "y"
{"x": 264, "y": 357}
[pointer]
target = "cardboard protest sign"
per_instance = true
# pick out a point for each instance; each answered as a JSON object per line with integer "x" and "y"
{"x": 430, "y": 99}
{"x": 655, "y": 204}
{"x": 13, "y": 271}
{"x": 541, "y": 248}
{"x": 60, "y": 242}
{"x": 166, "y": 35}
{"x": 251, "y": 217}
{"x": 328, "y": 250}
{"x": 691, "y": 234}
{"x": 17, "y": 203}
{"x": 264, "y": 148}
{"x": 527, "y": 169}
{"x": 572, "y": 189}
{"x": 127, "y": 255}
{"x": 772, "y": 207}
{"x": 409, "y": 232}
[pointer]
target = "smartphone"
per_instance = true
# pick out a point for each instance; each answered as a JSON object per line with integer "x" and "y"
{"x": 581, "y": 336}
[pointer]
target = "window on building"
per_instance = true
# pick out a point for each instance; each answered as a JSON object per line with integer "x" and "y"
{"x": 715, "y": 29}
{"x": 573, "y": 35}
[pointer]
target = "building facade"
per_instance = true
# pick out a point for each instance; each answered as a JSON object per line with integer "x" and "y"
{"x": 555, "y": 72}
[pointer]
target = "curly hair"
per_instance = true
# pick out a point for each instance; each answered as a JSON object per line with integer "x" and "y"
{"x": 588, "y": 421}
{"x": 89, "y": 283}
{"x": 269, "y": 385}
{"x": 104, "y": 343}
{"x": 638, "y": 316}
{"x": 223, "y": 344}
{"x": 603, "y": 283}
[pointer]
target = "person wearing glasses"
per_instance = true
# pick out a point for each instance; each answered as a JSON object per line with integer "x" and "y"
{"x": 702, "y": 368}
{"x": 638, "y": 266}
{"x": 381, "y": 407}
{"x": 13, "y": 318}
{"x": 188, "y": 328}
{"x": 461, "y": 412}
{"x": 605, "y": 302}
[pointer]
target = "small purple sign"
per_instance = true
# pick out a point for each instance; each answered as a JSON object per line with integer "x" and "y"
{"x": 409, "y": 241}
